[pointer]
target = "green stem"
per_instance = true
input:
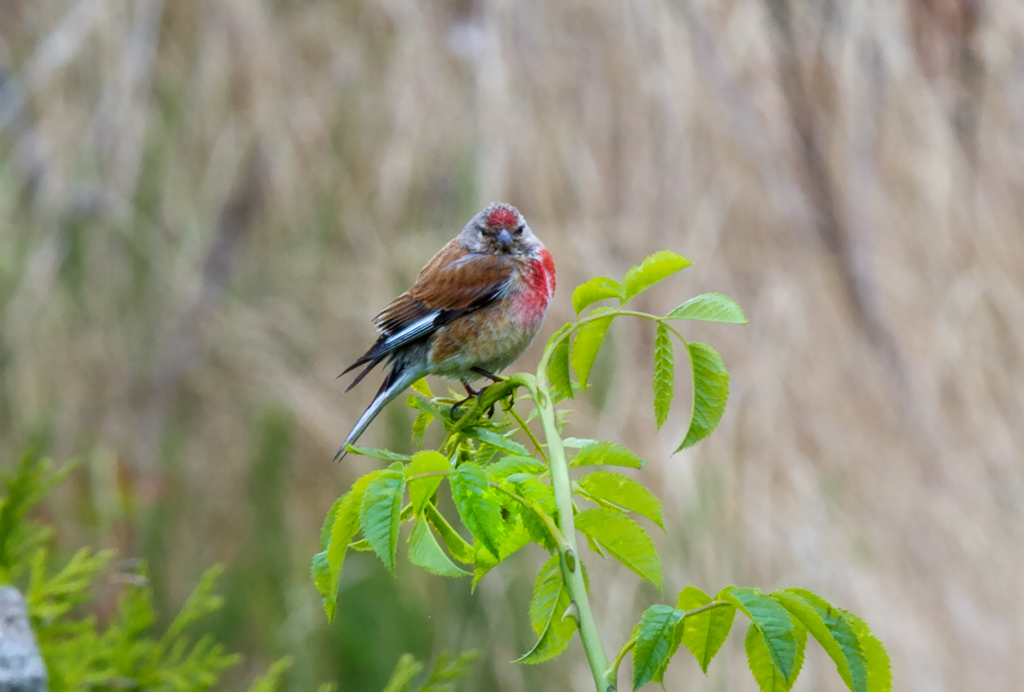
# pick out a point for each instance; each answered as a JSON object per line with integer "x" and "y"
{"x": 572, "y": 572}
{"x": 533, "y": 438}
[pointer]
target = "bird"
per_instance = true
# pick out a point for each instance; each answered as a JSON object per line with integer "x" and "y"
{"x": 473, "y": 310}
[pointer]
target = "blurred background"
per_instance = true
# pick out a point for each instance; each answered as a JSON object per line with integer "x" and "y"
{"x": 203, "y": 204}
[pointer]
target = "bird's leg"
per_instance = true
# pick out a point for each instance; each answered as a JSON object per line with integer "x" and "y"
{"x": 471, "y": 392}
{"x": 495, "y": 379}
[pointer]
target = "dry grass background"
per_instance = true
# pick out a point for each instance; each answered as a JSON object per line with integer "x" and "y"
{"x": 202, "y": 205}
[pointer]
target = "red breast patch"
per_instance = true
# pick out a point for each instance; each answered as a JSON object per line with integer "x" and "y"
{"x": 504, "y": 215}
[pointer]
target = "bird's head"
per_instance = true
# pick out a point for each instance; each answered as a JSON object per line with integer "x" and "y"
{"x": 499, "y": 229}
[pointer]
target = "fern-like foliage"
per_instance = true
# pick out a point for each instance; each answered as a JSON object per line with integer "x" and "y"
{"x": 126, "y": 653}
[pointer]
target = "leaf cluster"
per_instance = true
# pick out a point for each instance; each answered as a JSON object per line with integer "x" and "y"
{"x": 508, "y": 495}
{"x": 775, "y": 640}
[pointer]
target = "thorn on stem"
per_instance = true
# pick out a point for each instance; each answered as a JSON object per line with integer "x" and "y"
{"x": 573, "y": 612}
{"x": 570, "y": 560}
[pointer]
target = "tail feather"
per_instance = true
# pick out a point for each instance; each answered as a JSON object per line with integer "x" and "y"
{"x": 400, "y": 377}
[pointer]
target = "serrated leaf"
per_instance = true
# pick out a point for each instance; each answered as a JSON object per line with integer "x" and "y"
{"x": 477, "y": 506}
{"x": 541, "y": 495}
{"x": 419, "y": 427}
{"x": 703, "y": 633}
{"x": 405, "y": 670}
{"x": 550, "y": 601}
{"x": 875, "y": 655}
{"x": 762, "y": 664}
{"x": 653, "y": 647}
{"x": 420, "y": 386}
{"x": 598, "y": 288}
{"x": 558, "y": 370}
{"x": 328, "y": 525}
{"x": 426, "y": 553}
{"x": 506, "y": 466}
{"x": 586, "y": 345}
{"x": 499, "y": 441}
{"x": 456, "y": 544}
{"x": 773, "y": 621}
{"x": 380, "y": 515}
{"x": 664, "y": 374}
{"x": 344, "y": 526}
{"x": 624, "y": 539}
{"x": 624, "y": 492}
{"x": 835, "y": 634}
{"x": 485, "y": 453}
{"x": 377, "y": 453}
{"x": 710, "y": 307}
{"x": 607, "y": 454}
{"x": 422, "y": 489}
{"x": 321, "y": 573}
{"x": 652, "y": 270}
{"x": 710, "y": 392}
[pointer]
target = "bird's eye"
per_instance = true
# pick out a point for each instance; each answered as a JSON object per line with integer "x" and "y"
{"x": 518, "y": 230}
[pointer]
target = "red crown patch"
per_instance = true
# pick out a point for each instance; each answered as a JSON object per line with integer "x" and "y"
{"x": 503, "y": 216}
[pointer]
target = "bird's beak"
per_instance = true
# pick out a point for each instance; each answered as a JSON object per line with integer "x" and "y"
{"x": 505, "y": 237}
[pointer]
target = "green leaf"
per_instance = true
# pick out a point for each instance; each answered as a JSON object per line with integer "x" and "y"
{"x": 558, "y": 370}
{"x": 710, "y": 307}
{"x": 624, "y": 539}
{"x": 598, "y": 288}
{"x": 710, "y": 392}
{"x": 506, "y": 466}
{"x": 705, "y": 632}
{"x": 653, "y": 647}
{"x": 380, "y": 514}
{"x": 377, "y": 453}
{"x": 875, "y": 655}
{"x": 422, "y": 489}
{"x": 499, "y": 441}
{"x": 835, "y": 634}
{"x": 652, "y": 270}
{"x": 664, "y": 374}
{"x": 587, "y": 343}
{"x": 420, "y": 386}
{"x": 607, "y": 454}
{"x": 549, "y": 603}
{"x": 624, "y": 492}
{"x": 762, "y": 663}
{"x": 774, "y": 623}
{"x": 343, "y": 527}
{"x": 321, "y": 573}
{"x": 456, "y": 544}
{"x": 480, "y": 511}
{"x": 426, "y": 553}
{"x": 419, "y": 427}
{"x": 577, "y": 442}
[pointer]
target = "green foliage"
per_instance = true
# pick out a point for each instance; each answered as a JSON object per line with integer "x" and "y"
{"x": 654, "y": 635}
{"x": 446, "y": 671}
{"x": 702, "y": 633}
{"x": 587, "y": 343}
{"x": 711, "y": 307}
{"x": 547, "y": 614}
{"x": 379, "y": 515}
{"x": 624, "y": 539}
{"x": 507, "y": 498}
{"x": 710, "y": 392}
{"x": 610, "y": 489}
{"x": 126, "y": 654}
{"x": 664, "y": 374}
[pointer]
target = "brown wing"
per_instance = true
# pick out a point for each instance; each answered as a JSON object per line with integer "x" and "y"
{"x": 453, "y": 283}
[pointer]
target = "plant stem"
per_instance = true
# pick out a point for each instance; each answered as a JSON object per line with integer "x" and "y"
{"x": 572, "y": 572}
